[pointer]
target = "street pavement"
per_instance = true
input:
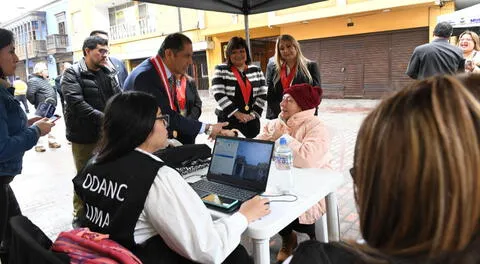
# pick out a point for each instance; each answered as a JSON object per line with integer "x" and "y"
{"x": 44, "y": 189}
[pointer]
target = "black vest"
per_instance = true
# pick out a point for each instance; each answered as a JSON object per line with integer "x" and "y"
{"x": 114, "y": 194}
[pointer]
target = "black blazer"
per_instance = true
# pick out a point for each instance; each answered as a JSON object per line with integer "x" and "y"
{"x": 145, "y": 78}
{"x": 194, "y": 103}
{"x": 275, "y": 89}
{"x": 193, "y": 107}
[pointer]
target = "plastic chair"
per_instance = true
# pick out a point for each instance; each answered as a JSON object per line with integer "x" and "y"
{"x": 29, "y": 245}
{"x": 338, "y": 152}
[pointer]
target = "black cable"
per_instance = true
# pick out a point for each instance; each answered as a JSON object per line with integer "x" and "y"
{"x": 281, "y": 195}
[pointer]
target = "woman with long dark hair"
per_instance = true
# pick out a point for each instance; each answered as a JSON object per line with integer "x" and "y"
{"x": 17, "y": 135}
{"x": 147, "y": 206}
{"x": 239, "y": 89}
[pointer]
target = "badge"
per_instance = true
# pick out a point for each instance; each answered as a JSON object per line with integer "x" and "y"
{"x": 247, "y": 108}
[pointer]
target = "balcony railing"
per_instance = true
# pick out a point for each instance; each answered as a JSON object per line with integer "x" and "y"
{"x": 139, "y": 28}
{"x": 57, "y": 43}
{"x": 35, "y": 48}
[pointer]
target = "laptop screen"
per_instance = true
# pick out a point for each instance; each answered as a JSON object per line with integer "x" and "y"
{"x": 241, "y": 162}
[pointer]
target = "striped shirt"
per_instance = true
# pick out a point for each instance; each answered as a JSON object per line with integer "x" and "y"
{"x": 226, "y": 90}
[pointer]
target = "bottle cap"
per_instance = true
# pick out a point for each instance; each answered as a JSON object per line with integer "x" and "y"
{"x": 283, "y": 141}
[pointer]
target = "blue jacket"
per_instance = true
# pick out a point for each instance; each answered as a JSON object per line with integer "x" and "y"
{"x": 15, "y": 136}
{"x": 121, "y": 70}
{"x": 145, "y": 78}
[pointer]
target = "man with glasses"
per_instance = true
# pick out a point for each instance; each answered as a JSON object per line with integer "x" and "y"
{"x": 87, "y": 86}
{"x": 112, "y": 61}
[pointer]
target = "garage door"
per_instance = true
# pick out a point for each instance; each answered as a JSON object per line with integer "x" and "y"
{"x": 364, "y": 66}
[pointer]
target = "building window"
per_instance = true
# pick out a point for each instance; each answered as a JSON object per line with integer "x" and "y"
{"x": 61, "y": 23}
{"x": 129, "y": 20}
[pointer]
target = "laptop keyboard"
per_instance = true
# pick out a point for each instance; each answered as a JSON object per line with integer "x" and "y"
{"x": 223, "y": 190}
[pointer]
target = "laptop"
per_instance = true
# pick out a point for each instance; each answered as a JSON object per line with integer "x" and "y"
{"x": 239, "y": 168}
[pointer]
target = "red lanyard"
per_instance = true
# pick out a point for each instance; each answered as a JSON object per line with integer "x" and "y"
{"x": 245, "y": 87}
{"x": 181, "y": 92}
{"x": 286, "y": 81}
{"x": 158, "y": 64}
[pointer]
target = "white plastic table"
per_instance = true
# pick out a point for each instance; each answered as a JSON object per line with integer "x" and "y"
{"x": 310, "y": 186}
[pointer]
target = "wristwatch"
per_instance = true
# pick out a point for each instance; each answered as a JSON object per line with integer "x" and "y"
{"x": 208, "y": 129}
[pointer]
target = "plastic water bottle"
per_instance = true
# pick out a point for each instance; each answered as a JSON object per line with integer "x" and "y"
{"x": 284, "y": 164}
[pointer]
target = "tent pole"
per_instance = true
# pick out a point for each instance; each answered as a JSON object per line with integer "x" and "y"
{"x": 247, "y": 35}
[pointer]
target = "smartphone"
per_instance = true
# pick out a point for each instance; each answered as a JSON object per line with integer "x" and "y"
{"x": 220, "y": 201}
{"x": 54, "y": 118}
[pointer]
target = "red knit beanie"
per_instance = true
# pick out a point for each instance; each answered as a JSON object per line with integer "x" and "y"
{"x": 306, "y": 96}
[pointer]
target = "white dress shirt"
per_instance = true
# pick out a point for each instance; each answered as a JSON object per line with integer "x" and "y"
{"x": 175, "y": 212}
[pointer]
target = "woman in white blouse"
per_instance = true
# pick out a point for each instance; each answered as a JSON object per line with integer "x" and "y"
{"x": 147, "y": 206}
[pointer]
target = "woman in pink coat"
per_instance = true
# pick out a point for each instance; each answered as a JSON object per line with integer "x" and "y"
{"x": 309, "y": 140}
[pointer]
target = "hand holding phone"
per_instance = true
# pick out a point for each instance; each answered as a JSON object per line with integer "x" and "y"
{"x": 54, "y": 118}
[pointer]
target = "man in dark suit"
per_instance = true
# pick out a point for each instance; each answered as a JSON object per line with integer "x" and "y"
{"x": 112, "y": 61}
{"x": 156, "y": 76}
{"x": 189, "y": 103}
{"x": 437, "y": 57}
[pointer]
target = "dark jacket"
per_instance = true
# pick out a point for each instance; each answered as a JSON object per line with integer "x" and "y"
{"x": 145, "y": 78}
{"x": 315, "y": 252}
{"x": 194, "y": 103}
{"x": 437, "y": 57}
{"x": 193, "y": 106}
{"x": 85, "y": 101}
{"x": 275, "y": 89}
{"x": 121, "y": 70}
{"x": 15, "y": 136}
{"x": 39, "y": 89}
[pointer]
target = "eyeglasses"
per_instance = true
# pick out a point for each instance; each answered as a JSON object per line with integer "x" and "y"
{"x": 104, "y": 51}
{"x": 165, "y": 119}
{"x": 288, "y": 99}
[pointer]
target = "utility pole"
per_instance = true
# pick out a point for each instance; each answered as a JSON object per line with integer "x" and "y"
{"x": 179, "y": 20}
{"x": 26, "y": 51}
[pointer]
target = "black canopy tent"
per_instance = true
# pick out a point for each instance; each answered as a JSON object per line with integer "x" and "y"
{"x": 245, "y": 7}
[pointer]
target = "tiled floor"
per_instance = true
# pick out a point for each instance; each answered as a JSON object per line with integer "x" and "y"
{"x": 44, "y": 189}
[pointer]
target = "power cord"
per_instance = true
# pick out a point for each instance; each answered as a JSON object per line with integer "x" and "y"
{"x": 295, "y": 198}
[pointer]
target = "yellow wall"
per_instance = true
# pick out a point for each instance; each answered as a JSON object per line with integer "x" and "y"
{"x": 334, "y": 8}
{"x": 363, "y": 23}
{"x": 214, "y": 56}
{"x": 436, "y": 11}
{"x": 421, "y": 14}
{"x": 217, "y": 23}
{"x": 94, "y": 15}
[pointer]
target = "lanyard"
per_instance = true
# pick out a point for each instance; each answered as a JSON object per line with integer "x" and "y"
{"x": 286, "y": 81}
{"x": 162, "y": 73}
{"x": 181, "y": 93}
{"x": 245, "y": 87}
